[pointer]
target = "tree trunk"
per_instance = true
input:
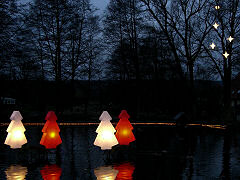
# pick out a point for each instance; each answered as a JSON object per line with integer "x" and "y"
{"x": 191, "y": 91}
{"x": 59, "y": 107}
{"x": 227, "y": 99}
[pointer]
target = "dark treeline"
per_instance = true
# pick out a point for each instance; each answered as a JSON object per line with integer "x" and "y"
{"x": 149, "y": 56}
{"x": 158, "y": 102}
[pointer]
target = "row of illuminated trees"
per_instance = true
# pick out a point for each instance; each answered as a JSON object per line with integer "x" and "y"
{"x": 51, "y": 138}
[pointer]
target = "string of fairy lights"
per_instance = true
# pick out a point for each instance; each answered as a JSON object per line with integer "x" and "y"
{"x": 230, "y": 38}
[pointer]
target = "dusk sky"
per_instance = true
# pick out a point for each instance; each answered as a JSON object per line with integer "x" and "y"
{"x": 100, "y": 4}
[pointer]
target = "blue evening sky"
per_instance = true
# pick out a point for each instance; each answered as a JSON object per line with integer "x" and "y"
{"x": 100, "y": 4}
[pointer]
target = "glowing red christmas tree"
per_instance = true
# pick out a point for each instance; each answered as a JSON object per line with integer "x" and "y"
{"x": 124, "y": 129}
{"x": 51, "y": 137}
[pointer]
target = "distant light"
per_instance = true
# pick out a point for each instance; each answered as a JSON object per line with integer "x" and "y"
{"x": 230, "y": 39}
{"x": 212, "y": 45}
{"x": 215, "y": 25}
{"x": 217, "y": 7}
{"x": 226, "y": 54}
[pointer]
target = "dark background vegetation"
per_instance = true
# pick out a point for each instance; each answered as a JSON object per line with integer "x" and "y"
{"x": 150, "y": 57}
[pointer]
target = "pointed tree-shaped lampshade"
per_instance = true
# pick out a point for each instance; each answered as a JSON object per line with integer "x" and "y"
{"x": 105, "y": 173}
{"x": 16, "y": 137}
{"x": 105, "y": 138}
{"x": 16, "y": 172}
{"x": 125, "y": 171}
{"x": 51, "y": 172}
{"x": 51, "y": 137}
{"x": 124, "y": 129}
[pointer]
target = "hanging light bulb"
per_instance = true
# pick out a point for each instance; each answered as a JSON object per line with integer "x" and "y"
{"x": 217, "y": 7}
{"x": 16, "y": 137}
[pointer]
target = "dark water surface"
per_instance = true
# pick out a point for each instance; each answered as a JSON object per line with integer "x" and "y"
{"x": 158, "y": 153}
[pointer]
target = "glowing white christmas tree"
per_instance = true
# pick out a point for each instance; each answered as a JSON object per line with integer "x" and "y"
{"x": 16, "y": 137}
{"x": 105, "y": 138}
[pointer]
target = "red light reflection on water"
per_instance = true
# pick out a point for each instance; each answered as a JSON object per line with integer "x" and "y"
{"x": 51, "y": 172}
{"x": 125, "y": 171}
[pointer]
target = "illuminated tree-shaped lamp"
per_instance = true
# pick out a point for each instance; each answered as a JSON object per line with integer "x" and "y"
{"x": 124, "y": 129}
{"x": 51, "y": 172}
{"x": 105, "y": 138}
{"x": 51, "y": 138}
{"x": 16, "y": 137}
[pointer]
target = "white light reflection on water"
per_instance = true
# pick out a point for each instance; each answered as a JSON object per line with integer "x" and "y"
{"x": 123, "y": 171}
{"x": 106, "y": 173}
{"x": 16, "y": 172}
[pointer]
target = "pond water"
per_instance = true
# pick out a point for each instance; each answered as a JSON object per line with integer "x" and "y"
{"x": 158, "y": 153}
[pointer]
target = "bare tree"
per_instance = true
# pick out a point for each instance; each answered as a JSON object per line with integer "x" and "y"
{"x": 122, "y": 27}
{"x": 76, "y": 47}
{"x": 224, "y": 50}
{"x": 185, "y": 24}
{"x": 9, "y": 26}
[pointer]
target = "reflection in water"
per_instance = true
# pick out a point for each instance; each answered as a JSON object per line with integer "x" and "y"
{"x": 51, "y": 172}
{"x": 125, "y": 171}
{"x": 105, "y": 173}
{"x": 180, "y": 153}
{"x": 16, "y": 172}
